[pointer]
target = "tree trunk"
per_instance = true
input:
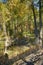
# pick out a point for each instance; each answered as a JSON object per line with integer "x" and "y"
{"x": 35, "y": 24}
{"x": 38, "y": 36}
{"x": 40, "y": 20}
{"x": 4, "y": 28}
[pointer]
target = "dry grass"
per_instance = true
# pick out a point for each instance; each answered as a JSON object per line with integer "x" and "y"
{"x": 19, "y": 50}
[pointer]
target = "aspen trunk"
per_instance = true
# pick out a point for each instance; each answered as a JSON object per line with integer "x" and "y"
{"x": 4, "y": 28}
{"x": 40, "y": 20}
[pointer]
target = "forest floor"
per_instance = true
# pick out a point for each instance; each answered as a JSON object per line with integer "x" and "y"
{"x": 26, "y": 60}
{"x": 17, "y": 50}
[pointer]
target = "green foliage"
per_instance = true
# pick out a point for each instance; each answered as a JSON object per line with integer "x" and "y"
{"x": 18, "y": 17}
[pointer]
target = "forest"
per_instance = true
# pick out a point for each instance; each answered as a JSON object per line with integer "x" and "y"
{"x": 21, "y": 26}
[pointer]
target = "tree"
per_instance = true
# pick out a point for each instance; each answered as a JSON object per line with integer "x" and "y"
{"x": 40, "y": 20}
{"x": 35, "y": 24}
{"x": 19, "y": 17}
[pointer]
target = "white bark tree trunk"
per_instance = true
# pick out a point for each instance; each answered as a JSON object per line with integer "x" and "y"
{"x": 4, "y": 28}
{"x": 40, "y": 40}
{"x": 6, "y": 38}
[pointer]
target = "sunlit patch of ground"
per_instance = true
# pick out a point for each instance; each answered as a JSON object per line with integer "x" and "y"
{"x": 16, "y": 50}
{"x": 19, "y": 50}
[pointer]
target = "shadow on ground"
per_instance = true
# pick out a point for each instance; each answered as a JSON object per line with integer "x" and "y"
{"x": 4, "y": 60}
{"x": 24, "y": 41}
